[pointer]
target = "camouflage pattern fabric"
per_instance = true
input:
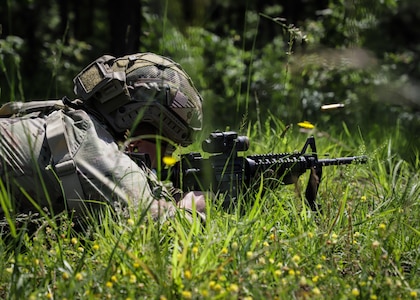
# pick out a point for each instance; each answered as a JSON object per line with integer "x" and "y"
{"x": 106, "y": 174}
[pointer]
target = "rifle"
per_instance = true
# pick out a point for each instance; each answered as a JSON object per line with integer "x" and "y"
{"x": 226, "y": 172}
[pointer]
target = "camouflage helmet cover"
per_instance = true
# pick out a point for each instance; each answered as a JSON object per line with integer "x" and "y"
{"x": 142, "y": 88}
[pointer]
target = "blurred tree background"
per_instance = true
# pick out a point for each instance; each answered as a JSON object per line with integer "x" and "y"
{"x": 250, "y": 59}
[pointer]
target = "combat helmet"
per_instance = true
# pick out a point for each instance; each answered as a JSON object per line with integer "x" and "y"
{"x": 143, "y": 88}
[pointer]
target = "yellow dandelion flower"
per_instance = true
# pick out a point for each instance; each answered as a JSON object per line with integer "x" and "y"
{"x": 249, "y": 254}
{"x": 217, "y": 287}
{"x": 114, "y": 278}
{"x": 355, "y": 292}
{"x": 316, "y": 291}
{"x": 204, "y": 293}
{"x": 373, "y": 297}
{"x": 49, "y": 295}
{"x": 296, "y": 258}
{"x": 169, "y": 161}
{"x": 74, "y": 241}
{"x": 277, "y": 273}
{"x": 163, "y": 298}
{"x": 108, "y": 284}
{"x": 224, "y": 250}
{"x": 292, "y": 272}
{"x": 234, "y": 288}
{"x": 306, "y": 125}
{"x": 186, "y": 294}
{"x": 78, "y": 276}
{"x": 195, "y": 250}
{"x": 315, "y": 279}
{"x": 130, "y": 222}
{"x": 413, "y": 294}
{"x": 363, "y": 198}
{"x": 382, "y": 226}
{"x": 212, "y": 284}
{"x": 187, "y": 274}
{"x": 65, "y": 276}
{"x": 95, "y": 247}
{"x": 133, "y": 278}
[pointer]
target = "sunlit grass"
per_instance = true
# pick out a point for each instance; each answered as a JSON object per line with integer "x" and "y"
{"x": 364, "y": 244}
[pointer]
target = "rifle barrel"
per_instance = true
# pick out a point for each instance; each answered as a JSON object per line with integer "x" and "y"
{"x": 342, "y": 160}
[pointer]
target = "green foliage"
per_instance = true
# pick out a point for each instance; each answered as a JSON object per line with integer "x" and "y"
{"x": 298, "y": 69}
{"x": 264, "y": 63}
{"x": 10, "y": 63}
{"x": 62, "y": 62}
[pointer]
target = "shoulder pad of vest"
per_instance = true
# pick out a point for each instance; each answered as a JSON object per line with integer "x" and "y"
{"x": 15, "y": 109}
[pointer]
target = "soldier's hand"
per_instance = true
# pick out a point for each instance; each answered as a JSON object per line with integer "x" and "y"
{"x": 195, "y": 199}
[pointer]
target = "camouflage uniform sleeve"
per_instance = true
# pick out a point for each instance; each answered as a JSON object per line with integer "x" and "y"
{"x": 109, "y": 175}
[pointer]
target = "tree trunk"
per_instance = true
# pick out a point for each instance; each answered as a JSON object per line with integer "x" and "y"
{"x": 125, "y": 26}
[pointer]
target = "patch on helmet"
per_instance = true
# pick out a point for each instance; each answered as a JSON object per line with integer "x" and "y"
{"x": 91, "y": 78}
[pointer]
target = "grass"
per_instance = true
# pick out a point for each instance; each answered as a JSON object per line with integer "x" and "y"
{"x": 363, "y": 245}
